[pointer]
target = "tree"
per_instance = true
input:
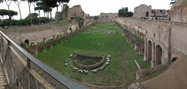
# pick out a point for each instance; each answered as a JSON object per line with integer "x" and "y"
{"x": 60, "y": 3}
{"x": 48, "y": 5}
{"x": 96, "y": 17}
{"x": 8, "y": 3}
{"x": 124, "y": 12}
{"x": 10, "y": 13}
{"x": 18, "y": 2}
{"x": 29, "y": 5}
{"x": 39, "y": 7}
{"x": 126, "y": 9}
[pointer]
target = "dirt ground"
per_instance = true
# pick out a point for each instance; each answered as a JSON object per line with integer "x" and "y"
{"x": 173, "y": 78}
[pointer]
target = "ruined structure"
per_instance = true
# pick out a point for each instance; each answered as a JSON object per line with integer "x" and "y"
{"x": 164, "y": 42}
{"x": 71, "y": 13}
{"x": 37, "y": 34}
{"x": 179, "y": 11}
{"x": 107, "y": 17}
{"x": 76, "y": 15}
{"x": 76, "y": 12}
{"x": 58, "y": 16}
{"x": 65, "y": 12}
{"x": 143, "y": 11}
{"x": 160, "y": 12}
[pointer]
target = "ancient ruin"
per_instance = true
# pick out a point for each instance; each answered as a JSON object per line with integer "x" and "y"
{"x": 179, "y": 11}
{"x": 144, "y": 11}
{"x": 107, "y": 17}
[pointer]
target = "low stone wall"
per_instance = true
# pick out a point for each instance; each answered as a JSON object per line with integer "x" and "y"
{"x": 60, "y": 40}
{"x": 132, "y": 39}
{"x": 88, "y": 66}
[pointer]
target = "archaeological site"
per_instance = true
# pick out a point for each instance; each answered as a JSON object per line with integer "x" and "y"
{"x": 91, "y": 45}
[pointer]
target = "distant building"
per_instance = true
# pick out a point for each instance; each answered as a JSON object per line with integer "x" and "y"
{"x": 108, "y": 17}
{"x": 70, "y": 13}
{"x": 143, "y": 11}
{"x": 160, "y": 12}
{"x": 76, "y": 12}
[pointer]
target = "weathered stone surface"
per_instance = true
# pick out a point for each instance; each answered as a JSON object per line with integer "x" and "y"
{"x": 179, "y": 11}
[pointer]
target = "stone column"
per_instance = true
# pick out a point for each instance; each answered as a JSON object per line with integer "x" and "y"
{"x": 145, "y": 50}
{"x": 153, "y": 55}
{"x": 165, "y": 57}
{"x": 36, "y": 50}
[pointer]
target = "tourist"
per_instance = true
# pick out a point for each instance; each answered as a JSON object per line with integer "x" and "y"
{"x": 156, "y": 18}
{"x": 151, "y": 18}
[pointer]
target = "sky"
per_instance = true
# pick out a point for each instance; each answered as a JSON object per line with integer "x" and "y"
{"x": 93, "y": 7}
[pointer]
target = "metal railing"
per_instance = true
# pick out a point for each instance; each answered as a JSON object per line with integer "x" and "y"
{"x": 23, "y": 71}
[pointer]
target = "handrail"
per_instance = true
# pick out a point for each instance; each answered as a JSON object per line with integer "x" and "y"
{"x": 60, "y": 78}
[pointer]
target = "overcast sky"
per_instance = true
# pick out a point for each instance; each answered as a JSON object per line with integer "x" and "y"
{"x": 95, "y": 7}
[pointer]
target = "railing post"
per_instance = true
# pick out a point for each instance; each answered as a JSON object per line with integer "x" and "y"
{"x": 28, "y": 63}
{"x": 9, "y": 61}
{"x": 29, "y": 78}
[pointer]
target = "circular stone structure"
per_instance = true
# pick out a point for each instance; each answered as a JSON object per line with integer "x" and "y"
{"x": 88, "y": 61}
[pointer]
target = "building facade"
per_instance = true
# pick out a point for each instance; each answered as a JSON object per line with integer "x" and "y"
{"x": 76, "y": 12}
{"x": 143, "y": 11}
{"x": 107, "y": 17}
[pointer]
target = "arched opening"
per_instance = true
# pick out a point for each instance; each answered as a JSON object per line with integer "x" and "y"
{"x": 174, "y": 59}
{"x": 27, "y": 41}
{"x": 147, "y": 14}
{"x": 158, "y": 55}
{"x": 149, "y": 54}
{"x": 70, "y": 29}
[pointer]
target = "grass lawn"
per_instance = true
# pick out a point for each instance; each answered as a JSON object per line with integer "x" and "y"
{"x": 122, "y": 69}
{"x": 60, "y": 21}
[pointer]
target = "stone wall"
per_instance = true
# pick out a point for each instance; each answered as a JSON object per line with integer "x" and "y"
{"x": 76, "y": 11}
{"x": 107, "y": 17}
{"x": 141, "y": 11}
{"x": 170, "y": 36}
{"x": 179, "y": 11}
{"x": 58, "y": 15}
{"x": 36, "y": 34}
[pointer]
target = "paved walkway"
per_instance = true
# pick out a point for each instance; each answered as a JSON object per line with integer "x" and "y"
{"x": 2, "y": 78}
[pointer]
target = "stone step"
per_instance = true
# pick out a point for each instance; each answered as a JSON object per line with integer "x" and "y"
{"x": 2, "y": 84}
{"x": 2, "y": 87}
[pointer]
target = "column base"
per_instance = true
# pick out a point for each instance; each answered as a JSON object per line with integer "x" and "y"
{"x": 145, "y": 58}
{"x": 152, "y": 64}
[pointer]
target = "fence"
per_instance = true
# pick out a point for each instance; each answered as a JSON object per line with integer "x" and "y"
{"x": 23, "y": 71}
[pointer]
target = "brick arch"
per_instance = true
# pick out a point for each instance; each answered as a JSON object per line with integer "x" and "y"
{"x": 149, "y": 50}
{"x": 159, "y": 54}
{"x": 26, "y": 41}
{"x": 174, "y": 57}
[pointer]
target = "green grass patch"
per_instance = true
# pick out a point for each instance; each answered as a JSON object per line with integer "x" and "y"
{"x": 137, "y": 37}
{"x": 122, "y": 69}
{"x": 60, "y": 21}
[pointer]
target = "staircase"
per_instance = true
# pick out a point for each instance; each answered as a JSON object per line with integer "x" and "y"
{"x": 2, "y": 78}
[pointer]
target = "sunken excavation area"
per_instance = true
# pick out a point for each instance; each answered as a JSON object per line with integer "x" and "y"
{"x": 99, "y": 55}
{"x": 88, "y": 61}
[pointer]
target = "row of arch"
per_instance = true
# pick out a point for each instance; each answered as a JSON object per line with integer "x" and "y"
{"x": 154, "y": 53}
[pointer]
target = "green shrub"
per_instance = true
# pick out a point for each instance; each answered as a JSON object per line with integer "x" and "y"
{"x": 44, "y": 20}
